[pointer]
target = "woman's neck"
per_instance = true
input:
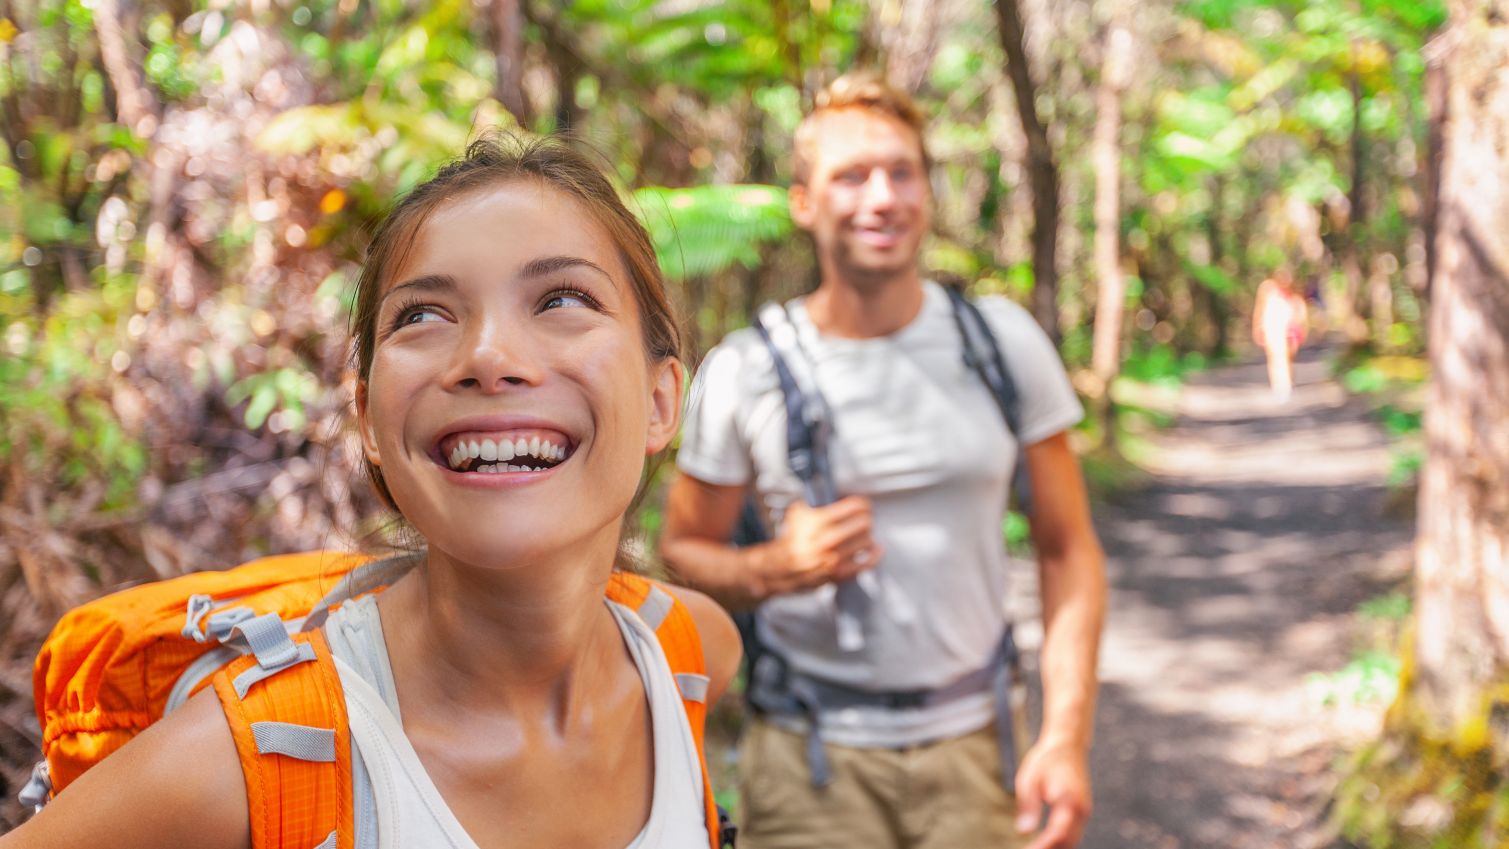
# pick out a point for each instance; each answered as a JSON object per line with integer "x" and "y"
{"x": 515, "y": 640}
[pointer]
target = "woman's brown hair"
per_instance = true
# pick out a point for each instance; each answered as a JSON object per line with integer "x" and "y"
{"x": 494, "y": 160}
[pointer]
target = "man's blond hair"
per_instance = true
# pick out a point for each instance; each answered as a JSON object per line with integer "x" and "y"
{"x": 856, "y": 90}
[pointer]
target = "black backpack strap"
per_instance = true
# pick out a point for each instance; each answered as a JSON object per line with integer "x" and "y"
{"x": 982, "y": 355}
{"x": 809, "y": 426}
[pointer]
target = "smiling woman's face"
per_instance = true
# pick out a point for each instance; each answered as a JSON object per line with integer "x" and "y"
{"x": 510, "y": 402}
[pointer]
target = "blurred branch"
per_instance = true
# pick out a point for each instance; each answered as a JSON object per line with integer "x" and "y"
{"x": 667, "y": 121}
{"x": 134, "y": 103}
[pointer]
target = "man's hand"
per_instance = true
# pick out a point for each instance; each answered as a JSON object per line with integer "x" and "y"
{"x": 1056, "y": 775}
{"x": 821, "y": 545}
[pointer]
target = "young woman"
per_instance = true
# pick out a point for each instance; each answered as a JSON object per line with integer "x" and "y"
{"x": 517, "y": 362}
{"x": 1279, "y": 321}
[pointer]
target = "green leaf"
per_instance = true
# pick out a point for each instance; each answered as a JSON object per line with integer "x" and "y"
{"x": 708, "y": 229}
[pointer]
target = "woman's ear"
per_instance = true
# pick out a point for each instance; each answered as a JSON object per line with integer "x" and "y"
{"x": 665, "y": 404}
{"x": 364, "y": 425}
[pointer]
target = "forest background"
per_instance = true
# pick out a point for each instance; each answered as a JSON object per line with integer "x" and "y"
{"x": 186, "y": 188}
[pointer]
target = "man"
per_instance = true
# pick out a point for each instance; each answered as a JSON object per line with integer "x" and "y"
{"x": 905, "y": 719}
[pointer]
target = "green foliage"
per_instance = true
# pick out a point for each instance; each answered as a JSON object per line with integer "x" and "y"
{"x": 56, "y": 390}
{"x": 1016, "y": 530}
{"x": 707, "y": 229}
{"x": 1390, "y": 607}
{"x": 1161, "y": 365}
{"x": 285, "y": 391}
{"x": 1399, "y": 422}
{"x": 1405, "y": 466}
{"x": 1369, "y": 678}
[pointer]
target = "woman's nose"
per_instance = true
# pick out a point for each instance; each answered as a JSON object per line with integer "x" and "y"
{"x": 492, "y": 358}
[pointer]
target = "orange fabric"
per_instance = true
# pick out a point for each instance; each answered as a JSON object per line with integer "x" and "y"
{"x": 683, "y": 652}
{"x": 293, "y": 803}
{"x": 106, "y": 670}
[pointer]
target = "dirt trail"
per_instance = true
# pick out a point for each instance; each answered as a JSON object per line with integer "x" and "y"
{"x": 1235, "y": 574}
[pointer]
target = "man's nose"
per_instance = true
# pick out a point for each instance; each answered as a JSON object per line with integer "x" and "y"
{"x": 879, "y": 190}
{"x": 492, "y": 357}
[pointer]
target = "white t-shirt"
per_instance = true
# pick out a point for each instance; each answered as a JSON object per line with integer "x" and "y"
{"x": 917, "y": 432}
{"x": 396, "y": 804}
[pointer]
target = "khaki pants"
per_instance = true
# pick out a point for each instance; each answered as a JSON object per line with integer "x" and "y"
{"x": 942, "y": 795}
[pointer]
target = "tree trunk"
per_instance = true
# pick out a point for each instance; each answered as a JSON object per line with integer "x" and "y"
{"x": 1042, "y": 170}
{"x": 1352, "y": 248}
{"x": 1219, "y": 305}
{"x": 506, "y": 26}
{"x": 1106, "y": 154}
{"x": 1462, "y": 571}
{"x": 1435, "y": 145}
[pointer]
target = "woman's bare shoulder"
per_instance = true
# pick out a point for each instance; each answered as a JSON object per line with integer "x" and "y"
{"x": 178, "y": 783}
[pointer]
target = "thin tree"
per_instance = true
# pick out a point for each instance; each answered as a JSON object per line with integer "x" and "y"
{"x": 1041, "y": 168}
{"x": 1106, "y": 154}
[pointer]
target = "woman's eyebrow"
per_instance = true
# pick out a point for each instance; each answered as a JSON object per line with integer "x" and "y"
{"x": 427, "y": 283}
{"x": 551, "y": 264}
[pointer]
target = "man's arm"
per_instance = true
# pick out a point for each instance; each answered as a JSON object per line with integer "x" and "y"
{"x": 1071, "y": 566}
{"x": 816, "y": 546}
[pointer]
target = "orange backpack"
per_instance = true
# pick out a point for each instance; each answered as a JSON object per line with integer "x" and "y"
{"x": 115, "y": 665}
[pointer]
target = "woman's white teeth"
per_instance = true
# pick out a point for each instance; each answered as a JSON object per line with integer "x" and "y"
{"x": 494, "y": 456}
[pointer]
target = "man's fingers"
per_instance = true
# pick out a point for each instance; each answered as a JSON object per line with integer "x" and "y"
{"x": 846, "y": 537}
{"x": 1062, "y": 830}
{"x": 1029, "y": 807}
{"x": 860, "y": 561}
{"x": 847, "y": 508}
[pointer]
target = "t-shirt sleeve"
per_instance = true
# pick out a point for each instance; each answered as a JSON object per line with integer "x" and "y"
{"x": 1048, "y": 402}
{"x": 712, "y": 448}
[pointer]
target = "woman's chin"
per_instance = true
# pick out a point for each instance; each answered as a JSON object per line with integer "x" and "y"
{"x": 506, "y": 546}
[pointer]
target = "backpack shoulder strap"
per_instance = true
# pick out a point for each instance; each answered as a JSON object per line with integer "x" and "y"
{"x": 982, "y": 355}
{"x": 808, "y": 425}
{"x": 287, "y": 713}
{"x": 676, "y": 631}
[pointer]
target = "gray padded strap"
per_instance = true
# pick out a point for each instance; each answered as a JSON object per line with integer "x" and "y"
{"x": 656, "y": 606}
{"x": 253, "y": 674}
{"x": 267, "y": 638}
{"x": 296, "y": 741}
{"x": 693, "y": 687}
{"x": 360, "y": 581}
{"x": 328, "y": 842}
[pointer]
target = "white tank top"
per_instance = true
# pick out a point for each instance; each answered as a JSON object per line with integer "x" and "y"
{"x": 398, "y": 806}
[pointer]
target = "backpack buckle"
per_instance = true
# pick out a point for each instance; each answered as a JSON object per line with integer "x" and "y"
{"x": 198, "y": 606}
{"x": 38, "y": 788}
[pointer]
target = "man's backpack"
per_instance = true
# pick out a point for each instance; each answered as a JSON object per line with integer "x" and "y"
{"x": 115, "y": 665}
{"x": 809, "y": 429}
{"x": 772, "y": 686}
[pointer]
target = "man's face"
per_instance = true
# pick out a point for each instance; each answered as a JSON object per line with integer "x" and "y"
{"x": 866, "y": 201}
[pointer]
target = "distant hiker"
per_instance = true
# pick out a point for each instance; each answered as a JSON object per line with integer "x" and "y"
{"x": 1280, "y": 318}
{"x": 517, "y": 361}
{"x": 869, "y": 420}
